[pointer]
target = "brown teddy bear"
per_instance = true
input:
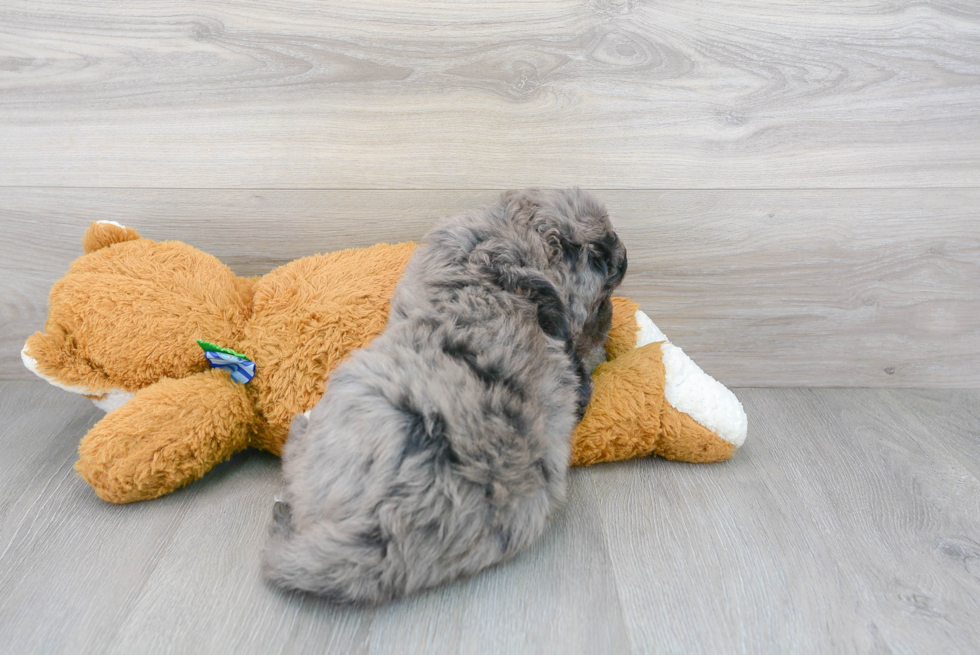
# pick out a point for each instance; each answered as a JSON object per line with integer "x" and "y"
{"x": 124, "y": 329}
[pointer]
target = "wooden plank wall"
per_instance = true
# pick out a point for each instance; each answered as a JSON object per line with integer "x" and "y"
{"x": 797, "y": 183}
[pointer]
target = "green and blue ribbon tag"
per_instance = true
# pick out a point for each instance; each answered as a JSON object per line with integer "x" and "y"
{"x": 241, "y": 368}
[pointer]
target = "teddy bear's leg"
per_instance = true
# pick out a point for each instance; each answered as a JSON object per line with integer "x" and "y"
{"x": 170, "y": 433}
{"x": 624, "y": 329}
{"x": 630, "y": 416}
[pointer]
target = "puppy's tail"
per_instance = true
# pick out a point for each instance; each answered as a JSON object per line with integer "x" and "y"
{"x": 322, "y": 561}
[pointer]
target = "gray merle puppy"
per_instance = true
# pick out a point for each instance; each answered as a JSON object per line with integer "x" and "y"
{"x": 442, "y": 448}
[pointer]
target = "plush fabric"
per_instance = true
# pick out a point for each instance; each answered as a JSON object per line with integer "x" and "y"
{"x": 123, "y": 329}
{"x": 630, "y": 417}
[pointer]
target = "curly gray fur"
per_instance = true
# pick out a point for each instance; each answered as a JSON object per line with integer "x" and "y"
{"x": 442, "y": 448}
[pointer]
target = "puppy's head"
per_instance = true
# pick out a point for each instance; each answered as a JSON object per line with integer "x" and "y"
{"x": 582, "y": 256}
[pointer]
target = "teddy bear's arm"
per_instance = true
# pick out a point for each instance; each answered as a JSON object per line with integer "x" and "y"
{"x": 169, "y": 434}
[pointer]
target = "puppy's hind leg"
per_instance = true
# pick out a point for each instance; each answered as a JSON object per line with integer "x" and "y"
{"x": 282, "y": 521}
{"x": 324, "y": 560}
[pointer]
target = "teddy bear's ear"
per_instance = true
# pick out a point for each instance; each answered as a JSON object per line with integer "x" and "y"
{"x": 105, "y": 233}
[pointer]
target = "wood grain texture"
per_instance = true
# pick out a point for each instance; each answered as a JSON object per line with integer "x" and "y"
{"x": 840, "y": 528}
{"x": 845, "y": 525}
{"x": 762, "y": 288}
{"x": 180, "y": 574}
{"x": 951, "y": 418}
{"x": 383, "y": 94}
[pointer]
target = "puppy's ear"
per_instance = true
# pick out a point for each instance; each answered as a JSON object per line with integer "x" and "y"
{"x": 502, "y": 265}
{"x": 501, "y": 261}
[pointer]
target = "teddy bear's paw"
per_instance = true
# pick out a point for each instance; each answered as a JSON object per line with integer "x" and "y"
{"x": 112, "y": 400}
{"x": 692, "y": 391}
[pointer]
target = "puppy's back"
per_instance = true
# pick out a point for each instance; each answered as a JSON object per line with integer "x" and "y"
{"x": 442, "y": 448}
{"x": 409, "y": 473}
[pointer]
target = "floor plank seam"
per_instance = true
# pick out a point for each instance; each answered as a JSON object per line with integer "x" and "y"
{"x": 485, "y": 189}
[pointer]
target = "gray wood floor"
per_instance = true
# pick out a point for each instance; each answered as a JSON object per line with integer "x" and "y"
{"x": 849, "y": 523}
